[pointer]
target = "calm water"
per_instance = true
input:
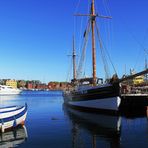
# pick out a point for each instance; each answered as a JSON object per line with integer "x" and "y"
{"x": 49, "y": 124}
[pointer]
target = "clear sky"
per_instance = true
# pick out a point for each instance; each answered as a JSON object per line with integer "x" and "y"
{"x": 36, "y": 36}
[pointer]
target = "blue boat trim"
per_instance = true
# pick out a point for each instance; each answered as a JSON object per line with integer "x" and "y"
{"x": 3, "y": 120}
{"x": 7, "y": 107}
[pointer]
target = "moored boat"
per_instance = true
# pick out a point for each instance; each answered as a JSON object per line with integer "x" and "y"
{"x": 103, "y": 99}
{"x": 8, "y": 90}
{"x": 11, "y": 117}
{"x": 87, "y": 93}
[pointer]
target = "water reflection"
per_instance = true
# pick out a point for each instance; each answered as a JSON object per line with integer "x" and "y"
{"x": 6, "y": 100}
{"x": 8, "y": 97}
{"x": 93, "y": 130}
{"x": 13, "y": 138}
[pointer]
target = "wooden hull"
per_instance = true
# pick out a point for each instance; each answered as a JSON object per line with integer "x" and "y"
{"x": 11, "y": 117}
{"x": 99, "y": 99}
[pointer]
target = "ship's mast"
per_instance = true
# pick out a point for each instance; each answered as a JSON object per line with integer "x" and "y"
{"x": 74, "y": 60}
{"x": 146, "y": 64}
{"x": 93, "y": 16}
{"x": 146, "y": 67}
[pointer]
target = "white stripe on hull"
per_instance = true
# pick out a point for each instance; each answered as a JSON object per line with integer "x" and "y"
{"x": 11, "y": 113}
{"x": 8, "y": 108}
{"x": 107, "y": 103}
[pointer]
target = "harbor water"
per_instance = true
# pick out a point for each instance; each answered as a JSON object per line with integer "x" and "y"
{"x": 50, "y": 124}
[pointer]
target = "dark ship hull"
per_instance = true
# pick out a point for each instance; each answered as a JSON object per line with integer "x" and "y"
{"x": 104, "y": 98}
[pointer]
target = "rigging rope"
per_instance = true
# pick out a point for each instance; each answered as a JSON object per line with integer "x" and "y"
{"x": 137, "y": 41}
{"x": 103, "y": 49}
{"x": 103, "y": 55}
{"x": 108, "y": 24}
{"x": 107, "y": 7}
{"x": 82, "y": 58}
{"x": 76, "y": 10}
{"x": 74, "y": 27}
{"x": 84, "y": 44}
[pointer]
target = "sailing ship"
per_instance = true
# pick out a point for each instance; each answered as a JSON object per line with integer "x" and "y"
{"x": 87, "y": 93}
{"x": 12, "y": 116}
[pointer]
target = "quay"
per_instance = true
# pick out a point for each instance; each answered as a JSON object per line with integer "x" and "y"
{"x": 139, "y": 95}
{"x": 134, "y": 97}
{"x": 134, "y": 100}
{"x": 133, "y": 104}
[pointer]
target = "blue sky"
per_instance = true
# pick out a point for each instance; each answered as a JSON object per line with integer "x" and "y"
{"x": 36, "y": 36}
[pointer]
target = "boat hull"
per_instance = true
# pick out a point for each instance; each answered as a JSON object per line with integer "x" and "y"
{"x": 101, "y": 99}
{"x": 8, "y": 92}
{"x": 12, "y": 118}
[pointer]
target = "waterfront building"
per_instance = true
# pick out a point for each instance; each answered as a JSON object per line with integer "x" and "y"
{"x": 52, "y": 85}
{"x": 41, "y": 86}
{"x": 12, "y": 83}
{"x": 30, "y": 85}
{"x": 58, "y": 85}
{"x": 21, "y": 84}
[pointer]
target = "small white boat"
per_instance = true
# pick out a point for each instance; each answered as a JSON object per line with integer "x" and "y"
{"x": 8, "y": 90}
{"x": 12, "y": 116}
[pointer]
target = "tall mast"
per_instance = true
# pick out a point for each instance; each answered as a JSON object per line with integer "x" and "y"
{"x": 146, "y": 67}
{"x": 146, "y": 64}
{"x": 93, "y": 16}
{"x": 74, "y": 60}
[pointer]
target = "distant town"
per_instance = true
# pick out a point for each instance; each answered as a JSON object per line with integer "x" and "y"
{"x": 34, "y": 84}
{"x": 54, "y": 85}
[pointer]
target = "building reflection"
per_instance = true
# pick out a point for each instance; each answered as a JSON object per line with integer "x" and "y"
{"x": 93, "y": 130}
{"x": 13, "y": 138}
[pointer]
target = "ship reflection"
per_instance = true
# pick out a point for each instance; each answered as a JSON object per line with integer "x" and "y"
{"x": 93, "y": 130}
{"x": 13, "y": 138}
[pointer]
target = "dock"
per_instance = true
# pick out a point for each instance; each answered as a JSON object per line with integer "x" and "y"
{"x": 134, "y": 104}
{"x": 139, "y": 95}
